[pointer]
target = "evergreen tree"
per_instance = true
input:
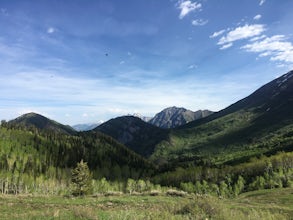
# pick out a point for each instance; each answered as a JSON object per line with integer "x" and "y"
{"x": 81, "y": 179}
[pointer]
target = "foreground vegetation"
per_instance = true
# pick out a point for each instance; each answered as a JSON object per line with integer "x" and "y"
{"x": 263, "y": 204}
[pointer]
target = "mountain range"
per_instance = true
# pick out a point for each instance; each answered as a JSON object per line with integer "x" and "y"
{"x": 261, "y": 123}
{"x": 168, "y": 118}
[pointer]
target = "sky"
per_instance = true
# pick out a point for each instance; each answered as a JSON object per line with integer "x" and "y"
{"x": 81, "y": 61}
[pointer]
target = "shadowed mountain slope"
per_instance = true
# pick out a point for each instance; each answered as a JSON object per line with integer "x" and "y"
{"x": 138, "y": 135}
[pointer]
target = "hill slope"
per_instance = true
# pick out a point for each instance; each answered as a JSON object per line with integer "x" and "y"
{"x": 261, "y": 123}
{"x": 138, "y": 135}
{"x": 173, "y": 117}
{"x": 33, "y": 120}
{"x": 33, "y": 154}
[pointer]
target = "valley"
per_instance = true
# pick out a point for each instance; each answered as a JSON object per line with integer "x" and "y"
{"x": 220, "y": 166}
{"x": 154, "y": 110}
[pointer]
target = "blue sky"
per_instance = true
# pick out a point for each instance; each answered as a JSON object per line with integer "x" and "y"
{"x": 90, "y": 60}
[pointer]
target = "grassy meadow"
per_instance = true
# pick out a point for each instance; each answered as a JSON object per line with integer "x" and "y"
{"x": 263, "y": 204}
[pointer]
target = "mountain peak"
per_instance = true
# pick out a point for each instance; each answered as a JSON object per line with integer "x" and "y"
{"x": 33, "y": 116}
{"x": 172, "y": 117}
{"x": 40, "y": 122}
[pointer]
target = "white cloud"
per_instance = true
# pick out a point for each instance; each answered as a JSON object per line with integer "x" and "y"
{"x": 187, "y": 6}
{"x": 277, "y": 47}
{"x": 51, "y": 30}
{"x": 199, "y": 22}
{"x": 265, "y": 54}
{"x": 262, "y": 2}
{"x": 218, "y": 33}
{"x": 244, "y": 32}
{"x": 258, "y": 38}
{"x": 226, "y": 46}
{"x": 257, "y": 17}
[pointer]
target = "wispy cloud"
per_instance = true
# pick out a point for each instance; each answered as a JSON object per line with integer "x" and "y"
{"x": 276, "y": 47}
{"x": 257, "y": 17}
{"x": 48, "y": 92}
{"x": 199, "y": 22}
{"x": 218, "y": 33}
{"x": 186, "y": 7}
{"x": 192, "y": 66}
{"x": 262, "y": 2}
{"x": 226, "y": 46}
{"x": 243, "y": 32}
{"x": 51, "y": 30}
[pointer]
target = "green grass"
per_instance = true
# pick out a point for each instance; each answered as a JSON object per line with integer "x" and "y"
{"x": 264, "y": 204}
{"x": 274, "y": 200}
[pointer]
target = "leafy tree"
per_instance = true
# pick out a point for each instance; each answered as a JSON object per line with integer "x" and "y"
{"x": 130, "y": 186}
{"x": 239, "y": 185}
{"x": 141, "y": 186}
{"x": 81, "y": 179}
{"x": 224, "y": 189}
{"x": 188, "y": 187}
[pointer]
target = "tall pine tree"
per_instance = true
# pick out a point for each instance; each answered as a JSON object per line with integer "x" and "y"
{"x": 81, "y": 179}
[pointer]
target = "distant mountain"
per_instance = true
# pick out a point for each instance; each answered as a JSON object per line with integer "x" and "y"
{"x": 135, "y": 133}
{"x": 33, "y": 120}
{"x": 174, "y": 117}
{"x": 144, "y": 118}
{"x": 85, "y": 127}
{"x": 261, "y": 123}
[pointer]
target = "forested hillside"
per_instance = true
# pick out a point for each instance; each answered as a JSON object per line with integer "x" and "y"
{"x": 34, "y": 157}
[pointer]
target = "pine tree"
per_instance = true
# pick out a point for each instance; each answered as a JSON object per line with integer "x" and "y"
{"x": 81, "y": 179}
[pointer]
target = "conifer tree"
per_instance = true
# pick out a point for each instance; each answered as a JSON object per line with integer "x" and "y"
{"x": 81, "y": 179}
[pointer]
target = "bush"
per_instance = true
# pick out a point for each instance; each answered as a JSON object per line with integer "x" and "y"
{"x": 173, "y": 192}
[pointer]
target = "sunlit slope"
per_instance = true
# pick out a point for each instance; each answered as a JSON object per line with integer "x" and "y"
{"x": 261, "y": 123}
